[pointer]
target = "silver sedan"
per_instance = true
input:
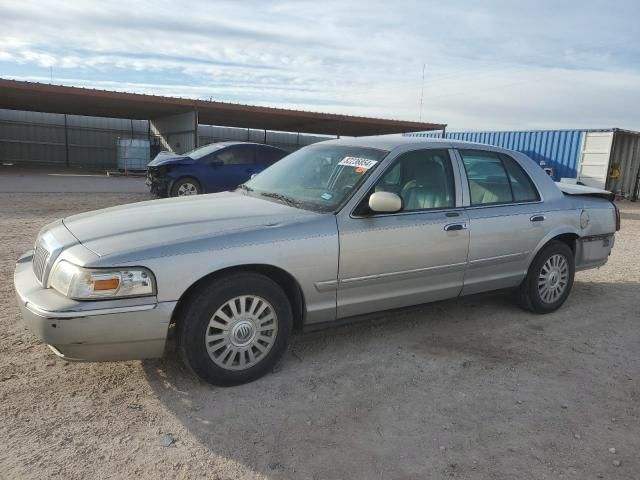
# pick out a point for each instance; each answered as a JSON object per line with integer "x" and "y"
{"x": 336, "y": 230}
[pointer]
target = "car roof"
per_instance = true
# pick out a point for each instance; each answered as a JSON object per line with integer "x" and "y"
{"x": 391, "y": 142}
{"x": 231, "y": 143}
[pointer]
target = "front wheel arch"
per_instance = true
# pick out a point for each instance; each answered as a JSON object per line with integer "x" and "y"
{"x": 281, "y": 277}
{"x": 235, "y": 329}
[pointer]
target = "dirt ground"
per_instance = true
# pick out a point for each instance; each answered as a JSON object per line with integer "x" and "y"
{"x": 469, "y": 388}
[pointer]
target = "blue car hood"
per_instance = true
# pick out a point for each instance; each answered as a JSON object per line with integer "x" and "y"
{"x": 169, "y": 158}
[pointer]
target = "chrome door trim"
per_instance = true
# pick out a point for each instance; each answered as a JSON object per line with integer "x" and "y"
{"x": 494, "y": 205}
{"x": 326, "y": 286}
{"x": 358, "y": 281}
{"x": 412, "y": 212}
{"x": 498, "y": 258}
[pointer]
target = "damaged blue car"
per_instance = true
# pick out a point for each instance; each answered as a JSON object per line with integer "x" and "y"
{"x": 216, "y": 167}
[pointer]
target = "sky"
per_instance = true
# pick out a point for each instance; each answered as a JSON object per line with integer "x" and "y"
{"x": 473, "y": 65}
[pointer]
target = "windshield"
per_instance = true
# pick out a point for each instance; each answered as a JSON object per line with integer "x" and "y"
{"x": 319, "y": 177}
{"x": 200, "y": 152}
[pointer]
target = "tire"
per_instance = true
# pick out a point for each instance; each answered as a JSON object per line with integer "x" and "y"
{"x": 186, "y": 186}
{"x": 214, "y": 343}
{"x": 549, "y": 279}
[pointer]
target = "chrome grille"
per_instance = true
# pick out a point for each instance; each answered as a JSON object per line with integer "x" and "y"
{"x": 40, "y": 257}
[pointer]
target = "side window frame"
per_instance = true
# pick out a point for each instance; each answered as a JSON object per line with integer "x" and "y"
{"x": 455, "y": 184}
{"x": 501, "y": 157}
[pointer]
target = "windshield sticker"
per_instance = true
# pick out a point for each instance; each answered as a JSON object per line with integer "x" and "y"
{"x": 326, "y": 196}
{"x": 356, "y": 162}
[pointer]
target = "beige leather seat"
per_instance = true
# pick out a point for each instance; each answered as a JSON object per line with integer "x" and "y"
{"x": 489, "y": 193}
{"x": 427, "y": 189}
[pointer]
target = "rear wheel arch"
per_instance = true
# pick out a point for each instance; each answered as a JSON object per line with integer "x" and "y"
{"x": 569, "y": 239}
{"x": 549, "y": 277}
{"x": 567, "y": 236}
{"x": 281, "y": 277}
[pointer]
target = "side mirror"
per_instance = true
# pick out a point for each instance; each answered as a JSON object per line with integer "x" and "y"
{"x": 385, "y": 202}
{"x": 216, "y": 163}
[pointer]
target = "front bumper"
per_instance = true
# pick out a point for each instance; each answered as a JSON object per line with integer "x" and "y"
{"x": 158, "y": 182}
{"x": 126, "y": 329}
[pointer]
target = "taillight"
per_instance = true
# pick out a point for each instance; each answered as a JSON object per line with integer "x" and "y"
{"x": 617, "y": 216}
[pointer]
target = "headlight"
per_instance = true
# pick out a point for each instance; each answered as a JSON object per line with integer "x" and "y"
{"x": 86, "y": 283}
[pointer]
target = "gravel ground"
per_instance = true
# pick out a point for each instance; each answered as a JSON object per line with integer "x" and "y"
{"x": 470, "y": 388}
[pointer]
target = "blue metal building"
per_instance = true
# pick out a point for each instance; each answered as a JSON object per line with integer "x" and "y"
{"x": 556, "y": 149}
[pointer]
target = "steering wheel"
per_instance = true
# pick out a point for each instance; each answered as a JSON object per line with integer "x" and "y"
{"x": 347, "y": 188}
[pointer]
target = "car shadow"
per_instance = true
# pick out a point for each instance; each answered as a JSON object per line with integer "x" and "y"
{"x": 424, "y": 391}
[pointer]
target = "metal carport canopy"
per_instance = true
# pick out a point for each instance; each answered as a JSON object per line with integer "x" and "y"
{"x": 40, "y": 97}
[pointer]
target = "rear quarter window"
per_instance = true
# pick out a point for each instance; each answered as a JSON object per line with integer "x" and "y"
{"x": 523, "y": 187}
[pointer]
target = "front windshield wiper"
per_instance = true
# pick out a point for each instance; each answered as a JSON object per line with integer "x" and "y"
{"x": 245, "y": 187}
{"x": 283, "y": 198}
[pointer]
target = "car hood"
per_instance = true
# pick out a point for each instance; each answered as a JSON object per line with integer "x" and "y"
{"x": 164, "y": 224}
{"x": 168, "y": 158}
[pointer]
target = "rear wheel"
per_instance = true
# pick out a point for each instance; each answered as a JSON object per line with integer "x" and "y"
{"x": 185, "y": 187}
{"x": 235, "y": 329}
{"x": 549, "y": 280}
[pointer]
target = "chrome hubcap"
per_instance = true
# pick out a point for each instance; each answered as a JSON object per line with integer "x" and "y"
{"x": 553, "y": 278}
{"x": 241, "y": 332}
{"x": 187, "y": 189}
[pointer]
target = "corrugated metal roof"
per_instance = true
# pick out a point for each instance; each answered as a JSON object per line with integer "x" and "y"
{"x": 558, "y": 149}
{"x": 39, "y": 97}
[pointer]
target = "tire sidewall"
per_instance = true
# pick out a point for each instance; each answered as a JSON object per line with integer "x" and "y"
{"x": 178, "y": 183}
{"x": 205, "y": 302}
{"x": 536, "y": 302}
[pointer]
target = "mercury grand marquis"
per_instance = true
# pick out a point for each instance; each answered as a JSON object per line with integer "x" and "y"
{"x": 334, "y": 231}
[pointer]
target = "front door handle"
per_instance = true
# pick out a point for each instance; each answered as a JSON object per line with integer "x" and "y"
{"x": 537, "y": 218}
{"x": 452, "y": 227}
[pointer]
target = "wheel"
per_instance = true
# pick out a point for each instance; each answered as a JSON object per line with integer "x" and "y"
{"x": 549, "y": 279}
{"x": 184, "y": 187}
{"x": 234, "y": 329}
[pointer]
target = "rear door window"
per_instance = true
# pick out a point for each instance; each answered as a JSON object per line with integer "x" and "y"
{"x": 496, "y": 179}
{"x": 488, "y": 180}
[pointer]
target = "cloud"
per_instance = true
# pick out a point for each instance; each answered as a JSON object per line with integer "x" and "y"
{"x": 496, "y": 65}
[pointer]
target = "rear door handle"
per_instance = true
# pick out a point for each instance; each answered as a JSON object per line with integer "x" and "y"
{"x": 537, "y": 218}
{"x": 452, "y": 227}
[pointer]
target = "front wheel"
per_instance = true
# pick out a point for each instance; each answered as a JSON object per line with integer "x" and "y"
{"x": 234, "y": 329}
{"x": 549, "y": 279}
{"x": 185, "y": 187}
